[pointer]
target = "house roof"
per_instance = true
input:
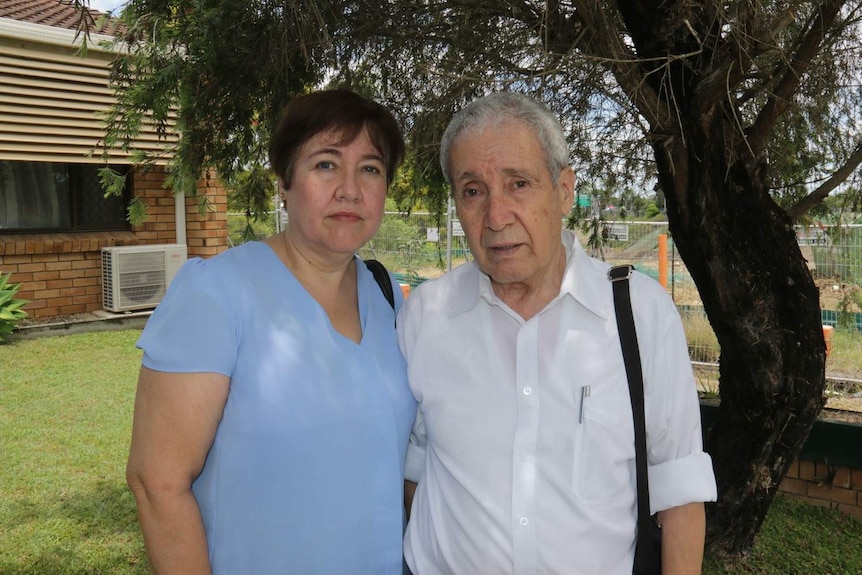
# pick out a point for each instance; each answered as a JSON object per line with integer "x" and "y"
{"x": 53, "y": 13}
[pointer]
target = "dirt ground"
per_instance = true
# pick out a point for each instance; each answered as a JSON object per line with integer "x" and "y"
{"x": 844, "y": 406}
{"x": 844, "y": 410}
{"x": 833, "y": 295}
{"x": 839, "y": 296}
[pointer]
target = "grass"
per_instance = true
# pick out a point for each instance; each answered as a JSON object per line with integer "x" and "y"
{"x": 800, "y": 539}
{"x": 845, "y": 361}
{"x": 846, "y": 356}
{"x": 65, "y": 420}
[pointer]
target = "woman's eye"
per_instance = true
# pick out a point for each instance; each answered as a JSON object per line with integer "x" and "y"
{"x": 372, "y": 170}
{"x": 325, "y": 165}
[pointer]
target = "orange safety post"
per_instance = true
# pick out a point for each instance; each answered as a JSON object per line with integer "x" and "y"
{"x": 405, "y": 289}
{"x": 827, "y": 337}
{"x": 662, "y": 260}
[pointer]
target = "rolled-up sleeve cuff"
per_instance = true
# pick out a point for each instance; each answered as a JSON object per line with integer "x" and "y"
{"x": 681, "y": 481}
{"x": 415, "y": 463}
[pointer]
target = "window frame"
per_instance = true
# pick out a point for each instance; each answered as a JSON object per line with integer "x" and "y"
{"x": 77, "y": 198}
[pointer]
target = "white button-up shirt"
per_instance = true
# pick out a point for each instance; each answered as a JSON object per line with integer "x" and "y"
{"x": 523, "y": 447}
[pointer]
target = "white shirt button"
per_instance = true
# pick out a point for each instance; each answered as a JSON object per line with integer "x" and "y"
{"x": 524, "y": 521}
{"x": 528, "y": 390}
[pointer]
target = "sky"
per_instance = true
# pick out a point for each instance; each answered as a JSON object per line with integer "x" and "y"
{"x": 106, "y": 5}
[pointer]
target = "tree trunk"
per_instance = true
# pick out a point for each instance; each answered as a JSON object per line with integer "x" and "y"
{"x": 741, "y": 250}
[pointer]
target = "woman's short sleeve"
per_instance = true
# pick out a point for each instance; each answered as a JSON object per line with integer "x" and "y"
{"x": 194, "y": 328}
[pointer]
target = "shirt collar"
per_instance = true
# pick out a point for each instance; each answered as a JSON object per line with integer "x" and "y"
{"x": 585, "y": 278}
{"x": 583, "y": 281}
{"x": 469, "y": 284}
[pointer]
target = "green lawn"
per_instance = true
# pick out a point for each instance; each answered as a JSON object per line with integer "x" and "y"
{"x": 65, "y": 422}
{"x": 65, "y": 419}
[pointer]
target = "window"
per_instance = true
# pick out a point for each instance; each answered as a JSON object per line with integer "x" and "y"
{"x": 44, "y": 196}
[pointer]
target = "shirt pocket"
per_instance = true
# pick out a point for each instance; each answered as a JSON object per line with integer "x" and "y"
{"x": 604, "y": 451}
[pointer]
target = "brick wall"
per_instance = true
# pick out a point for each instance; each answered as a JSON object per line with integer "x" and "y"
{"x": 61, "y": 273}
{"x": 207, "y": 234}
{"x": 827, "y": 485}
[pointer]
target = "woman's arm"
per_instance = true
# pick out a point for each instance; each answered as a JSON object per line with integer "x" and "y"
{"x": 175, "y": 421}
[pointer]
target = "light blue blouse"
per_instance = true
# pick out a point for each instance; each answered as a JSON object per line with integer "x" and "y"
{"x": 305, "y": 474}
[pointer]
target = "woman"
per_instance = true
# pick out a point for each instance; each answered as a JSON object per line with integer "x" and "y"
{"x": 272, "y": 410}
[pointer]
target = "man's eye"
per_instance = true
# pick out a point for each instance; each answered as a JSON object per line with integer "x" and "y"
{"x": 521, "y": 184}
{"x": 470, "y": 192}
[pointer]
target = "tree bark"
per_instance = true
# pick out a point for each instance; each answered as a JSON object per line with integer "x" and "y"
{"x": 741, "y": 251}
{"x": 761, "y": 300}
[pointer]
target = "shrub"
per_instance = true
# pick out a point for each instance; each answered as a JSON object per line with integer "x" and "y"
{"x": 10, "y": 308}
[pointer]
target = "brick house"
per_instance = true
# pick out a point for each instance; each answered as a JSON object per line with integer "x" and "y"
{"x": 54, "y": 220}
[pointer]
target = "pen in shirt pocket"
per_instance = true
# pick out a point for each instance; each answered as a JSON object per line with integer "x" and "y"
{"x": 585, "y": 393}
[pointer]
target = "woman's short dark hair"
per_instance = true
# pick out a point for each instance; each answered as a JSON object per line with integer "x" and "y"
{"x": 342, "y": 111}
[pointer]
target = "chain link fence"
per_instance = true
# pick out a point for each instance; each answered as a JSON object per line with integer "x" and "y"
{"x": 418, "y": 246}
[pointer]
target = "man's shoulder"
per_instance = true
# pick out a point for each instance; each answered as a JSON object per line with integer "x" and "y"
{"x": 652, "y": 305}
{"x": 452, "y": 291}
{"x": 451, "y": 282}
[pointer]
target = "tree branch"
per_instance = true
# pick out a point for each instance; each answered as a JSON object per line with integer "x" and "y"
{"x": 798, "y": 64}
{"x": 603, "y": 43}
{"x": 811, "y": 200}
{"x": 740, "y": 50}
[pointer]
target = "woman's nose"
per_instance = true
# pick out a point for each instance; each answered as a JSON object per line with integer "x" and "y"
{"x": 349, "y": 188}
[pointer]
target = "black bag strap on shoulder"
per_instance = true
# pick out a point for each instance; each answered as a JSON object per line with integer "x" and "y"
{"x": 645, "y": 550}
{"x": 381, "y": 276}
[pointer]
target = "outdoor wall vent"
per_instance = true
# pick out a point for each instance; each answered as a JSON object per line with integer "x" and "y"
{"x": 136, "y": 277}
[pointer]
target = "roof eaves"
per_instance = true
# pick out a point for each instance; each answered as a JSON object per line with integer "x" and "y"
{"x": 19, "y": 30}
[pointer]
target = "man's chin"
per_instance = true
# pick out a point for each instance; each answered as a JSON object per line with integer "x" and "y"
{"x": 504, "y": 273}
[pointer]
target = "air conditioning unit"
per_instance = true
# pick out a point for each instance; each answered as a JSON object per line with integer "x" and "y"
{"x": 136, "y": 277}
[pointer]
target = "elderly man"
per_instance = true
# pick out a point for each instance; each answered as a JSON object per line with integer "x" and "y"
{"x": 523, "y": 448}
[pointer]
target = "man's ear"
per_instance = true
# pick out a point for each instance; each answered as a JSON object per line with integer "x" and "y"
{"x": 566, "y": 187}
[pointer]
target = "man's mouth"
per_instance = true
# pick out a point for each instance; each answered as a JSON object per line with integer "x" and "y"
{"x": 504, "y": 249}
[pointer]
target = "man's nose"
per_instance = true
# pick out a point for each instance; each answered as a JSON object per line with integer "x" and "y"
{"x": 498, "y": 213}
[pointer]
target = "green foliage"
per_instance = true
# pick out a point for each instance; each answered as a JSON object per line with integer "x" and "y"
{"x": 409, "y": 189}
{"x": 10, "y": 307}
{"x": 399, "y": 244}
{"x": 112, "y": 181}
{"x": 252, "y": 192}
{"x": 221, "y": 72}
{"x": 137, "y": 211}
{"x": 241, "y": 229}
{"x": 594, "y": 228}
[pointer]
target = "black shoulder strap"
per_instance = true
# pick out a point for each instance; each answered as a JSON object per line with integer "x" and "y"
{"x": 381, "y": 276}
{"x": 619, "y": 277}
